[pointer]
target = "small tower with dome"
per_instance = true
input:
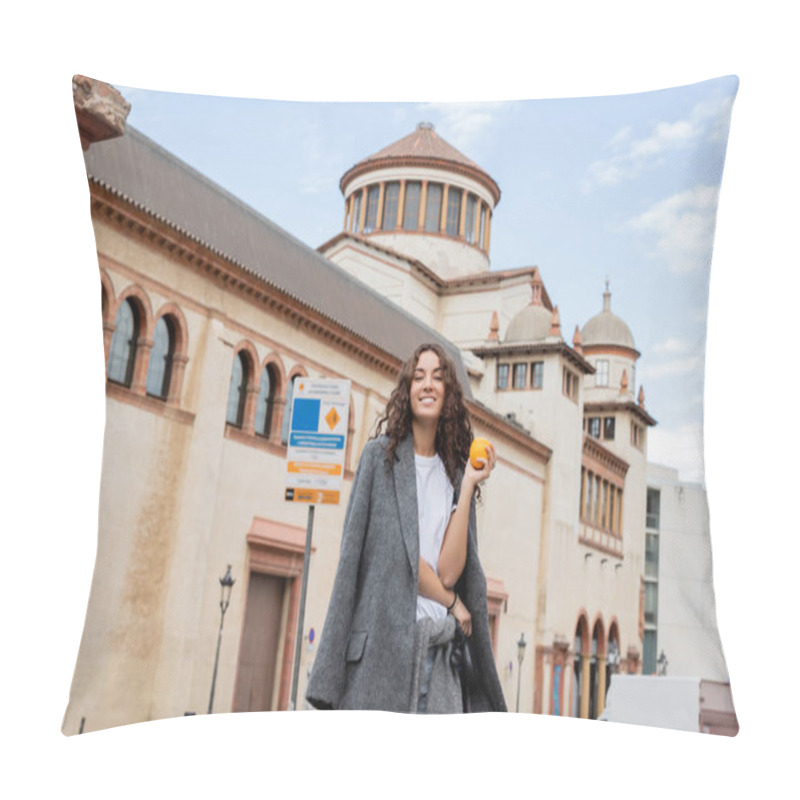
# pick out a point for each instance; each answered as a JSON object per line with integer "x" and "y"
{"x": 533, "y": 374}
{"x": 608, "y": 344}
{"x": 613, "y": 411}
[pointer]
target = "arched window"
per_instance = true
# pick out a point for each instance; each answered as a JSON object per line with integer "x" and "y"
{"x": 287, "y": 411}
{"x": 266, "y": 401}
{"x": 594, "y": 673}
{"x": 159, "y": 369}
{"x": 237, "y": 393}
{"x": 123, "y": 345}
{"x": 613, "y": 656}
{"x": 577, "y": 673}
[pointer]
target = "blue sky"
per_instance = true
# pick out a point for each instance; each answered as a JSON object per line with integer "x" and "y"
{"x": 619, "y": 187}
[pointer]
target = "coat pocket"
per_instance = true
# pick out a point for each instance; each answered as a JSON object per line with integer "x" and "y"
{"x": 355, "y": 645}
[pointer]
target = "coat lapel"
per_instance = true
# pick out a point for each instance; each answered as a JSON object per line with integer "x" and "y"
{"x": 405, "y": 484}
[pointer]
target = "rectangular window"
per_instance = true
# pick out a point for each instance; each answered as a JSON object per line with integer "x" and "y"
{"x": 612, "y": 522}
{"x": 650, "y": 603}
{"x": 637, "y": 435}
{"x": 594, "y": 427}
{"x": 608, "y": 428}
{"x": 537, "y": 374}
{"x": 520, "y": 375}
{"x": 411, "y": 206}
{"x": 596, "y": 501}
{"x": 653, "y": 508}
{"x": 582, "y": 512}
{"x": 502, "y": 376}
{"x": 433, "y": 207}
{"x": 469, "y": 219}
{"x": 356, "y": 218}
{"x": 604, "y": 519}
{"x": 587, "y": 506}
{"x": 569, "y": 384}
{"x": 601, "y": 376}
{"x": 651, "y": 556}
{"x": 453, "y": 211}
{"x": 649, "y": 660}
{"x": 482, "y": 227}
{"x": 371, "y": 218}
{"x": 391, "y": 194}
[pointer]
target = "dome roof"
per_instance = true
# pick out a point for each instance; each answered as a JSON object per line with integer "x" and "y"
{"x": 531, "y": 324}
{"x": 536, "y": 321}
{"x": 422, "y": 146}
{"x": 606, "y": 328}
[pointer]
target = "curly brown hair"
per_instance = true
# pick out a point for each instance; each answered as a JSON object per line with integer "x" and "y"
{"x": 453, "y": 432}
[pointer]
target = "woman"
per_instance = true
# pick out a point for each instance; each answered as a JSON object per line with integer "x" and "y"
{"x": 408, "y": 571}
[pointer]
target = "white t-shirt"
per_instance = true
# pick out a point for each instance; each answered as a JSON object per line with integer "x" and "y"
{"x": 435, "y": 505}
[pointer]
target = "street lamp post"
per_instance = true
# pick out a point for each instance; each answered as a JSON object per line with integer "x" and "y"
{"x": 520, "y": 655}
{"x": 662, "y": 663}
{"x": 226, "y": 584}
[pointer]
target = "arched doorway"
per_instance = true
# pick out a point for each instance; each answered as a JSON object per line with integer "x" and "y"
{"x": 580, "y": 670}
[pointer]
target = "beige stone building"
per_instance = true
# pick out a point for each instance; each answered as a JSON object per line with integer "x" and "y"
{"x": 210, "y": 312}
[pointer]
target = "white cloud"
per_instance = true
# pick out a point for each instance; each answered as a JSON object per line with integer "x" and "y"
{"x": 671, "y": 345}
{"x": 462, "y": 124}
{"x": 682, "y": 227}
{"x": 680, "y": 447}
{"x": 671, "y": 368}
{"x": 707, "y": 119}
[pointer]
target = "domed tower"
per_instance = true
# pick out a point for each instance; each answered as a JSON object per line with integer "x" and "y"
{"x": 609, "y": 405}
{"x": 533, "y": 375}
{"x": 609, "y": 347}
{"x": 423, "y": 198}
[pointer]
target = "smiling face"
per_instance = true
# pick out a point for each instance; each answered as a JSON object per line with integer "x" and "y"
{"x": 427, "y": 388}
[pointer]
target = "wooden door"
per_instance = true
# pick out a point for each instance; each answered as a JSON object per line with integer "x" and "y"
{"x": 258, "y": 652}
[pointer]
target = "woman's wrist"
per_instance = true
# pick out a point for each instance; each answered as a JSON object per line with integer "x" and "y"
{"x": 453, "y": 603}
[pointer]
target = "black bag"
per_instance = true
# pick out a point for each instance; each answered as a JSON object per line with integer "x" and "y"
{"x": 461, "y": 661}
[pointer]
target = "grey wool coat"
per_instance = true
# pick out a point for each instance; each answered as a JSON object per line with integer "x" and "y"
{"x": 365, "y": 654}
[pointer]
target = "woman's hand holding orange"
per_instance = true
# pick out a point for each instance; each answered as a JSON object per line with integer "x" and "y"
{"x": 481, "y": 462}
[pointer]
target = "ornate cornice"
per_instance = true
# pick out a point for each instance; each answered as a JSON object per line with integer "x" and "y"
{"x": 498, "y": 426}
{"x": 113, "y": 208}
{"x": 534, "y": 348}
{"x": 611, "y": 350}
{"x": 108, "y": 205}
{"x": 594, "y": 450}
{"x": 425, "y": 162}
{"x": 625, "y": 405}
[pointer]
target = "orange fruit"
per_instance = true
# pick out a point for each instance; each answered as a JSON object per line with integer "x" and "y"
{"x": 478, "y": 450}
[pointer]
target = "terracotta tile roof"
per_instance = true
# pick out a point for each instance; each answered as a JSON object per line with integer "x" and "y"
{"x": 154, "y": 180}
{"x": 424, "y": 142}
{"x": 423, "y": 146}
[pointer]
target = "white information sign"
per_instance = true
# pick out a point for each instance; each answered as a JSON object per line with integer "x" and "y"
{"x": 317, "y": 440}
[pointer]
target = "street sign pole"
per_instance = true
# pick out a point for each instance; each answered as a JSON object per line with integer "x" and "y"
{"x": 299, "y": 636}
{"x": 315, "y": 456}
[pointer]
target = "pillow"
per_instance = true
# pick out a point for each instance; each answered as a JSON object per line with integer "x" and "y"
{"x": 558, "y": 250}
